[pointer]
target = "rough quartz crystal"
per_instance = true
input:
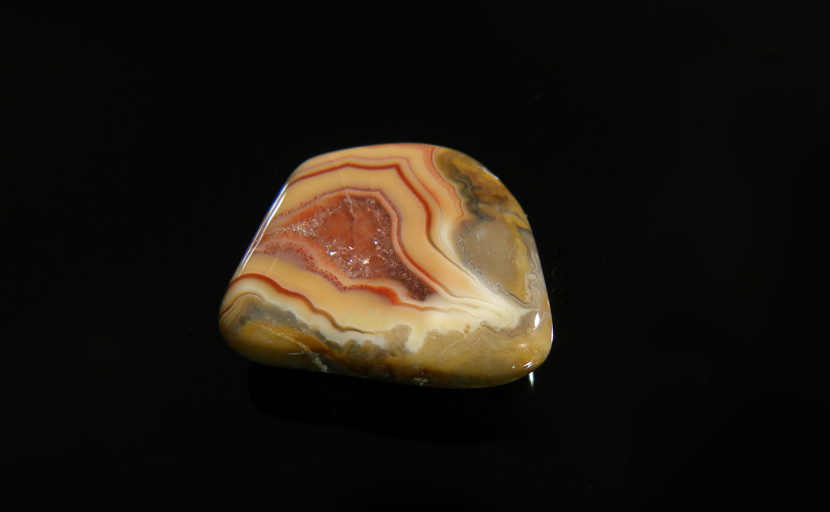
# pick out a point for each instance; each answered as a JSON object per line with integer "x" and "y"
{"x": 401, "y": 262}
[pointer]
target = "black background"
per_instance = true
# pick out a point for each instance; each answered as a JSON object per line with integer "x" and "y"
{"x": 667, "y": 154}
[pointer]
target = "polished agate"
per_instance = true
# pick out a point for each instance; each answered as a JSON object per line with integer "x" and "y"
{"x": 400, "y": 262}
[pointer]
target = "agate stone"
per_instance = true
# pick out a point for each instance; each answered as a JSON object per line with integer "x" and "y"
{"x": 400, "y": 262}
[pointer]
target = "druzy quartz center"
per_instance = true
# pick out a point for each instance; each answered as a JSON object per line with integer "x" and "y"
{"x": 401, "y": 262}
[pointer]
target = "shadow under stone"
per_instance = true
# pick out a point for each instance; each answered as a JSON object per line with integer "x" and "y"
{"x": 455, "y": 416}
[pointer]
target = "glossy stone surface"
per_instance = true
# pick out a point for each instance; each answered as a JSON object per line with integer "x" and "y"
{"x": 400, "y": 262}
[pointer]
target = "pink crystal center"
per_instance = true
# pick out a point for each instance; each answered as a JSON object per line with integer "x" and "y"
{"x": 352, "y": 236}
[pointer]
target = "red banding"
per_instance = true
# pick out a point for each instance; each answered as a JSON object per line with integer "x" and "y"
{"x": 403, "y": 178}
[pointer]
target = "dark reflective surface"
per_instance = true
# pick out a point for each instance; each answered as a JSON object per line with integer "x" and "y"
{"x": 668, "y": 156}
{"x": 428, "y": 414}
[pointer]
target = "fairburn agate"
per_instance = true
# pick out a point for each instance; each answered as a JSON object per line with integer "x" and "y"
{"x": 401, "y": 262}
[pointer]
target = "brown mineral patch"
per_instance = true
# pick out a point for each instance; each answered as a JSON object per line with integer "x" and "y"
{"x": 483, "y": 357}
{"x": 277, "y": 345}
{"x": 492, "y": 196}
